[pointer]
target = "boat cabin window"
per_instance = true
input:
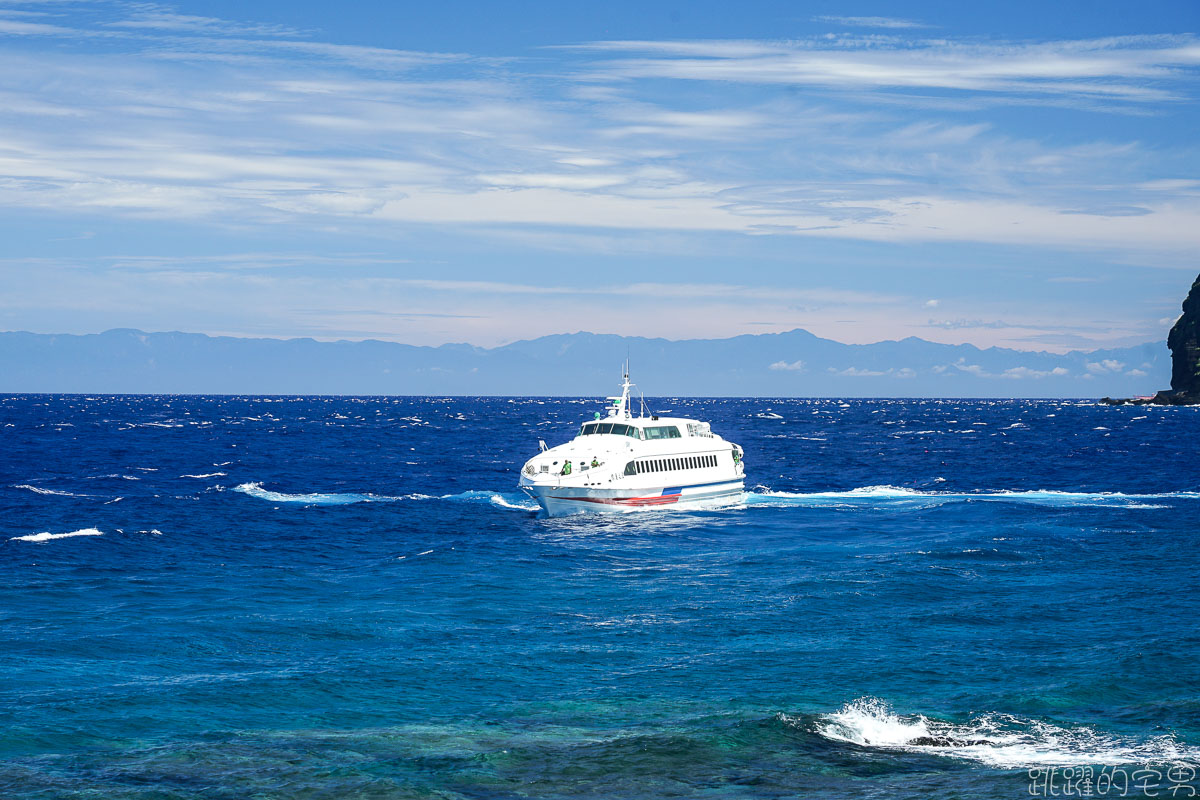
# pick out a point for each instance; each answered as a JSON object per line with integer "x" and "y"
{"x": 670, "y": 464}
{"x": 615, "y": 428}
{"x": 662, "y": 432}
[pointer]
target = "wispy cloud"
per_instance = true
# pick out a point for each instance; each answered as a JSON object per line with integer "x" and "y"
{"x": 19, "y": 27}
{"x": 871, "y": 22}
{"x": 151, "y": 16}
{"x": 267, "y": 145}
{"x": 758, "y": 158}
{"x": 1130, "y": 69}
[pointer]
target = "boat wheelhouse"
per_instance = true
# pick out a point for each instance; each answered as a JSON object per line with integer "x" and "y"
{"x": 623, "y": 462}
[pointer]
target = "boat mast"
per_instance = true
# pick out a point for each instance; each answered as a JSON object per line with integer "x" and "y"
{"x": 620, "y": 405}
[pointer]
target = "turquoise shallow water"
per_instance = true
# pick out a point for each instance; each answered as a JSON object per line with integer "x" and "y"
{"x": 332, "y": 597}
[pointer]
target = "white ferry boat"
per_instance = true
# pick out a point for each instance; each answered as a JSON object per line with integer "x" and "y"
{"x": 624, "y": 462}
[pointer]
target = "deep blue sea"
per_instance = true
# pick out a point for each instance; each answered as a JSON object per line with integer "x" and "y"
{"x": 287, "y": 597}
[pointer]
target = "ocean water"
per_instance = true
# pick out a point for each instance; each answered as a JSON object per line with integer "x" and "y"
{"x": 270, "y": 597}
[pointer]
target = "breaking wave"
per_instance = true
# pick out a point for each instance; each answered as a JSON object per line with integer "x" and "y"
{"x": 895, "y": 495}
{"x": 45, "y": 537}
{"x": 998, "y": 740}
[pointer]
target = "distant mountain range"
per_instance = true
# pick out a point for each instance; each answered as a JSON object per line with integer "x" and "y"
{"x": 795, "y": 363}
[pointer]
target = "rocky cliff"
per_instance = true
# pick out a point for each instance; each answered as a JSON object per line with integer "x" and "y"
{"x": 1184, "y": 341}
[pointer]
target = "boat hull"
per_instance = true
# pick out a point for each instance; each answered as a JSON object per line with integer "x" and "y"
{"x": 559, "y": 501}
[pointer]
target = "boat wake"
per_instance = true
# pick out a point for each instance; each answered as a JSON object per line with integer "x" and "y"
{"x": 509, "y": 501}
{"x": 998, "y": 740}
{"x": 867, "y": 497}
{"x": 319, "y": 498}
{"x": 895, "y": 496}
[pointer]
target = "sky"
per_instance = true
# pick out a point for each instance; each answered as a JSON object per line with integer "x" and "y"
{"x": 1017, "y": 174}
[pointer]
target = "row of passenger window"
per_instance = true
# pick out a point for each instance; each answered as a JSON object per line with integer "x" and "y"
{"x": 669, "y": 464}
{"x": 620, "y": 429}
{"x": 615, "y": 428}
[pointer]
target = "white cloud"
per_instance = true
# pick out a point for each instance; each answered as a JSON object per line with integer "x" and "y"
{"x": 794, "y": 366}
{"x": 160, "y": 18}
{"x": 298, "y": 135}
{"x": 1015, "y": 373}
{"x": 553, "y": 181}
{"x": 1105, "y": 365}
{"x": 1170, "y": 185}
{"x": 870, "y": 22}
{"x": 973, "y": 369}
{"x": 255, "y": 130}
{"x": 1128, "y": 69}
{"x": 960, "y": 324}
{"x": 1027, "y": 372}
{"x": 857, "y": 372}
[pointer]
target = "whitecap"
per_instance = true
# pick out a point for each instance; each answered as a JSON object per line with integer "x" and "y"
{"x": 45, "y": 537}
{"x": 206, "y": 475}
{"x": 998, "y": 740}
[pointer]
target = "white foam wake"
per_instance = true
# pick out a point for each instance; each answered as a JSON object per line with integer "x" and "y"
{"x": 896, "y": 495}
{"x": 45, "y": 537}
{"x": 512, "y": 501}
{"x": 509, "y": 501}
{"x": 319, "y": 498}
{"x": 998, "y": 740}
